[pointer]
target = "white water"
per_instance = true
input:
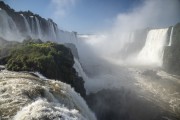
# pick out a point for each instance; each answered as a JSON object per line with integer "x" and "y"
{"x": 39, "y": 33}
{"x": 28, "y": 98}
{"x": 82, "y": 74}
{"x": 52, "y": 33}
{"x": 163, "y": 91}
{"x": 8, "y": 28}
{"x": 170, "y": 41}
{"x": 79, "y": 69}
{"x": 27, "y": 25}
{"x": 53, "y": 111}
{"x": 153, "y": 50}
{"x": 67, "y": 37}
{"x": 40, "y": 75}
{"x": 158, "y": 88}
{"x": 33, "y": 27}
{"x": 105, "y": 72}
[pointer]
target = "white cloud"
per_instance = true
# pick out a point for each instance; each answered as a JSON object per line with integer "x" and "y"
{"x": 153, "y": 13}
{"x": 61, "y": 7}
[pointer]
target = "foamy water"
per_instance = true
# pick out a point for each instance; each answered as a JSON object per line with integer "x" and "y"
{"x": 153, "y": 50}
{"x": 25, "y": 97}
{"x": 162, "y": 89}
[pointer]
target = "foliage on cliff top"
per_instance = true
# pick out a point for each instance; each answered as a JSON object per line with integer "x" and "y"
{"x": 54, "y": 61}
{"x": 48, "y": 58}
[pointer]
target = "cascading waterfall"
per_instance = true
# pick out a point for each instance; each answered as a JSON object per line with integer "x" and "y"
{"x": 27, "y": 25}
{"x": 39, "y": 33}
{"x": 8, "y": 28}
{"x": 67, "y": 37}
{"x": 52, "y": 32}
{"x": 170, "y": 41}
{"x": 130, "y": 40}
{"x": 32, "y": 26}
{"x": 152, "y": 52}
{"x": 80, "y": 70}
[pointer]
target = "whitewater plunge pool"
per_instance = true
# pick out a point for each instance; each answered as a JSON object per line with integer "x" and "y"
{"x": 138, "y": 94}
{"x": 125, "y": 81}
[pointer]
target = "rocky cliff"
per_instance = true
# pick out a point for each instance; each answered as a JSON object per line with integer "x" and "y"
{"x": 54, "y": 61}
{"x": 20, "y": 25}
{"x": 171, "y": 59}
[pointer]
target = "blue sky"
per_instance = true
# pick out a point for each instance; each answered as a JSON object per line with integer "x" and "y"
{"x": 83, "y": 16}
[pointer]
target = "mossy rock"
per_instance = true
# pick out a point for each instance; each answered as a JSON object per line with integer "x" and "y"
{"x": 54, "y": 61}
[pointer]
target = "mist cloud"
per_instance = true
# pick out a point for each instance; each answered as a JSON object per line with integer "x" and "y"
{"x": 61, "y": 7}
{"x": 151, "y": 14}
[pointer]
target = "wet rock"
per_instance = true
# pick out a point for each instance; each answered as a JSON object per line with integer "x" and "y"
{"x": 151, "y": 73}
{"x": 124, "y": 104}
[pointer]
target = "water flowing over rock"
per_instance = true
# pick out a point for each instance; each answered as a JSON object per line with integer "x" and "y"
{"x": 171, "y": 53}
{"x": 116, "y": 91}
{"x": 153, "y": 49}
{"x": 24, "y": 96}
{"x": 18, "y": 26}
{"x": 170, "y": 41}
{"x": 8, "y": 28}
{"x": 27, "y": 25}
{"x": 38, "y": 28}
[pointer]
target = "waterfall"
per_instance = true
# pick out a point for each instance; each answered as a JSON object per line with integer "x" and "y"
{"x": 34, "y": 98}
{"x": 27, "y": 25}
{"x": 32, "y": 26}
{"x": 39, "y": 33}
{"x": 170, "y": 41}
{"x": 80, "y": 70}
{"x": 130, "y": 41}
{"x": 8, "y": 28}
{"x": 152, "y": 52}
{"x": 52, "y": 33}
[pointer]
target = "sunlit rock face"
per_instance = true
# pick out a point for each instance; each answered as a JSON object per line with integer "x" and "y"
{"x": 24, "y": 96}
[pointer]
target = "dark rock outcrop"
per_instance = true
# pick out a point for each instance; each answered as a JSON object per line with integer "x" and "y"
{"x": 171, "y": 59}
{"x": 123, "y": 104}
{"x": 151, "y": 74}
{"x": 54, "y": 61}
{"x": 73, "y": 49}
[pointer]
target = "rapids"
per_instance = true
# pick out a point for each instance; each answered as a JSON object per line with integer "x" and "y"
{"x": 26, "y": 97}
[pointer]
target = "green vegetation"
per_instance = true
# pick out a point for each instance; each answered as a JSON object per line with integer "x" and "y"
{"x": 54, "y": 61}
{"x": 48, "y": 58}
{"x": 5, "y": 49}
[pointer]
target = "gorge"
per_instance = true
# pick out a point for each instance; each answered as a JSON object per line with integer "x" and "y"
{"x": 51, "y": 74}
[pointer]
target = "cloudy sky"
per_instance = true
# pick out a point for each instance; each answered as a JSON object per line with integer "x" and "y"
{"x": 90, "y": 16}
